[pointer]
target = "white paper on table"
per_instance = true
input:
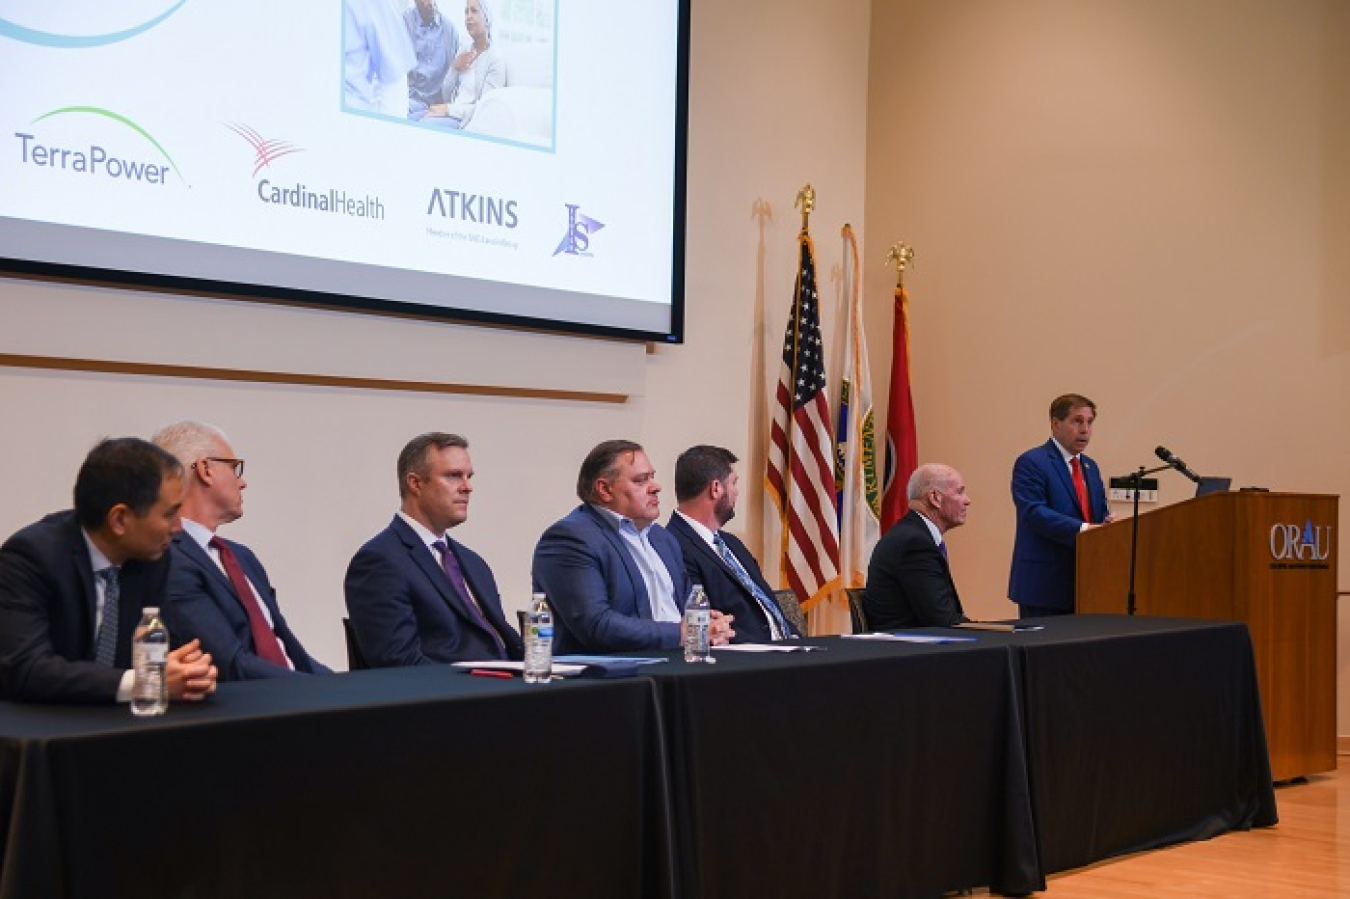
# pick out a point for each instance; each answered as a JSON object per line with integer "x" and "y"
{"x": 763, "y": 647}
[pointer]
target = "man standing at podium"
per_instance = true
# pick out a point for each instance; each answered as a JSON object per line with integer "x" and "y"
{"x": 1058, "y": 492}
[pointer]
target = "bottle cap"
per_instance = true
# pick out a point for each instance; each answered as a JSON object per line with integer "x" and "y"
{"x": 150, "y": 610}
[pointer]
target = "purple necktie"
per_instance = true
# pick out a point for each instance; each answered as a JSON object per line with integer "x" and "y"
{"x": 452, "y": 570}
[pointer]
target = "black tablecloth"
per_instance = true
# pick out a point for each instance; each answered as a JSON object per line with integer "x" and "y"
{"x": 414, "y": 782}
{"x": 1140, "y": 732}
{"x": 862, "y": 769}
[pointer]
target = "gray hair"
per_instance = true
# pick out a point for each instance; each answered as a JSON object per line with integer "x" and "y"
{"x": 189, "y": 441}
{"x": 928, "y": 476}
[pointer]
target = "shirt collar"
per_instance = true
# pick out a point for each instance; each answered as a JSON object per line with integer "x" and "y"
{"x": 1063, "y": 453}
{"x": 96, "y": 557}
{"x": 618, "y": 521}
{"x": 932, "y": 528}
{"x": 699, "y": 528}
{"x": 198, "y": 532}
{"x": 427, "y": 537}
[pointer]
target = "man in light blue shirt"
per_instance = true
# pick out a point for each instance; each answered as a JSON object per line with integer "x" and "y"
{"x": 435, "y": 42}
{"x": 614, "y": 578}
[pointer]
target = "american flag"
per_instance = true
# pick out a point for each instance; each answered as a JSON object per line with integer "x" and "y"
{"x": 801, "y": 451}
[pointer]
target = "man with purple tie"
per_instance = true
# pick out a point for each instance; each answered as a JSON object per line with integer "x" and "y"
{"x": 1058, "y": 492}
{"x": 909, "y": 580}
{"x": 414, "y": 595}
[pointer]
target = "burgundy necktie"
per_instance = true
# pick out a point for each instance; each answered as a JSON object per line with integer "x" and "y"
{"x": 1080, "y": 484}
{"x": 265, "y": 643}
{"x": 456, "y": 576}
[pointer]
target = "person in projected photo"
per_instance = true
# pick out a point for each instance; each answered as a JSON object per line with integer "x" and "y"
{"x": 475, "y": 71}
{"x": 436, "y": 44}
{"x": 377, "y": 56}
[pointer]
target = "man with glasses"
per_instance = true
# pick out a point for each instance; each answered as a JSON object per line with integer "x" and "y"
{"x": 218, "y": 590}
{"x": 73, "y": 585}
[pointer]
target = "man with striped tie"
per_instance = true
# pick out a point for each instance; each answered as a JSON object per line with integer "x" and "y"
{"x": 706, "y": 488}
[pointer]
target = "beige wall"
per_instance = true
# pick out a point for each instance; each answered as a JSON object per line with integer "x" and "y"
{"x": 1145, "y": 202}
{"x": 321, "y": 461}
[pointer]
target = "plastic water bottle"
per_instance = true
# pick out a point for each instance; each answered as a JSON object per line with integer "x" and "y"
{"x": 149, "y": 654}
{"x": 697, "y": 625}
{"x": 538, "y": 641}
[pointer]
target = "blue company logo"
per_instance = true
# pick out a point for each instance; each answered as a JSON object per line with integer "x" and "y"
{"x": 1306, "y": 543}
{"x": 93, "y": 159}
{"x": 27, "y": 35}
{"x": 577, "y": 240}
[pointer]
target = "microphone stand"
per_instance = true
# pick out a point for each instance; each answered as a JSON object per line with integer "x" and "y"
{"x": 1137, "y": 480}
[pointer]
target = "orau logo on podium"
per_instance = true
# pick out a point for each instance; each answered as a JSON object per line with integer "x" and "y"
{"x": 1300, "y": 546}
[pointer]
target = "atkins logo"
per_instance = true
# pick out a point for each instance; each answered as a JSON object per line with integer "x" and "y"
{"x": 577, "y": 240}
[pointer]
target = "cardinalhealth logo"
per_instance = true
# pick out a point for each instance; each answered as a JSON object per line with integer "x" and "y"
{"x": 123, "y": 23}
{"x": 1300, "y": 546}
{"x": 265, "y": 150}
{"x": 577, "y": 240}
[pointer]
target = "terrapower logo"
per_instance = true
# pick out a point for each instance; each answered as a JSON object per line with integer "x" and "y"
{"x": 79, "y": 155}
{"x": 80, "y": 26}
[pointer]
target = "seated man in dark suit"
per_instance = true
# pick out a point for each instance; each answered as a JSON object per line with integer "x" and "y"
{"x": 415, "y": 596}
{"x": 614, "y": 578}
{"x": 909, "y": 583}
{"x": 73, "y": 585}
{"x": 706, "y": 487}
{"x": 218, "y": 590}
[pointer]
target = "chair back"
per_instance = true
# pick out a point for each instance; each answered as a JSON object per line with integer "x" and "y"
{"x": 855, "y": 609}
{"x": 791, "y": 609}
{"x": 355, "y": 660}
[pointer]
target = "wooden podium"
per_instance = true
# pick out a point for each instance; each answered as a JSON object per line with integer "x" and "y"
{"x": 1268, "y": 559}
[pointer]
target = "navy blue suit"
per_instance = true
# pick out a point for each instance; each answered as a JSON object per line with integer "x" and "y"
{"x": 1044, "y": 561}
{"x": 909, "y": 583}
{"x": 203, "y": 604}
{"x": 725, "y": 591}
{"x": 47, "y": 613}
{"x": 595, "y": 589}
{"x": 404, "y": 611}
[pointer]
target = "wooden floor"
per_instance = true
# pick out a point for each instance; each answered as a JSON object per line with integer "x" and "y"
{"x": 1307, "y": 854}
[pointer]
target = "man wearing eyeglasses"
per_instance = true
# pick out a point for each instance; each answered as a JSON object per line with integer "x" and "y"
{"x": 218, "y": 590}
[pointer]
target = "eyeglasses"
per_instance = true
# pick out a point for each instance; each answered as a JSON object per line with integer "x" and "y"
{"x": 236, "y": 464}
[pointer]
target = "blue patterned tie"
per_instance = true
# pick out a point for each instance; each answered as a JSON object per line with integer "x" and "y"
{"x": 105, "y": 652}
{"x": 779, "y": 624}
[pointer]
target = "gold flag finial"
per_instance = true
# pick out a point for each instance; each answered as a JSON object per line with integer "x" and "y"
{"x": 901, "y": 255}
{"x": 806, "y": 201}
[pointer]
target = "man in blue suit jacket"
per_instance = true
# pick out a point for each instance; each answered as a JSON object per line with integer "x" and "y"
{"x": 247, "y": 635}
{"x": 415, "y": 596}
{"x": 707, "y": 486}
{"x": 1050, "y": 513}
{"x": 61, "y": 638}
{"x": 614, "y": 578}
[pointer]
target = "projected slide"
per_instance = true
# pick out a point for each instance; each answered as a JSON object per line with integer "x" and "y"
{"x": 504, "y": 160}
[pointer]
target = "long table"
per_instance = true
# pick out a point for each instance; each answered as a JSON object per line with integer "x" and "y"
{"x": 858, "y": 769}
{"x": 412, "y": 782}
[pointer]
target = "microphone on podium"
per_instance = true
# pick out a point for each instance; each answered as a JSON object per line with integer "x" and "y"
{"x": 1167, "y": 456}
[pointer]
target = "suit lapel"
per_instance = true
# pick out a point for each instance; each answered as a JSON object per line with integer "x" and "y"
{"x": 611, "y": 534}
{"x": 1061, "y": 469}
{"x": 198, "y": 556}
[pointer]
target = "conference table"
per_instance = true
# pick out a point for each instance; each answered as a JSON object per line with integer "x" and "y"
{"x": 858, "y": 768}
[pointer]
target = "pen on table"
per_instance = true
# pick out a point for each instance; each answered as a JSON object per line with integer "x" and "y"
{"x": 488, "y": 672}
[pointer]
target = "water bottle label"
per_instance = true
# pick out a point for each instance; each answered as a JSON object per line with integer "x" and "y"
{"x": 544, "y": 631}
{"x": 154, "y": 653}
{"x": 697, "y": 617}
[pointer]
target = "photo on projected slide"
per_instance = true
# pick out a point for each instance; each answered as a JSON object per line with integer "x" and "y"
{"x": 484, "y": 68}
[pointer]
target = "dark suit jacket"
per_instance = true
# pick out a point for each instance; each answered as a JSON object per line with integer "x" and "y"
{"x": 404, "y": 611}
{"x": 1048, "y": 520}
{"x": 595, "y": 589}
{"x": 909, "y": 583}
{"x": 203, "y": 604}
{"x": 47, "y": 613}
{"x": 725, "y": 592}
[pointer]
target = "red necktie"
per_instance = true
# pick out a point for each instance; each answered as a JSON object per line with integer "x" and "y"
{"x": 265, "y": 643}
{"x": 1080, "y": 484}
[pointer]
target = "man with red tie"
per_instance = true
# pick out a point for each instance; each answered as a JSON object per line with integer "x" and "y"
{"x": 416, "y": 596}
{"x": 1058, "y": 492}
{"x": 218, "y": 590}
